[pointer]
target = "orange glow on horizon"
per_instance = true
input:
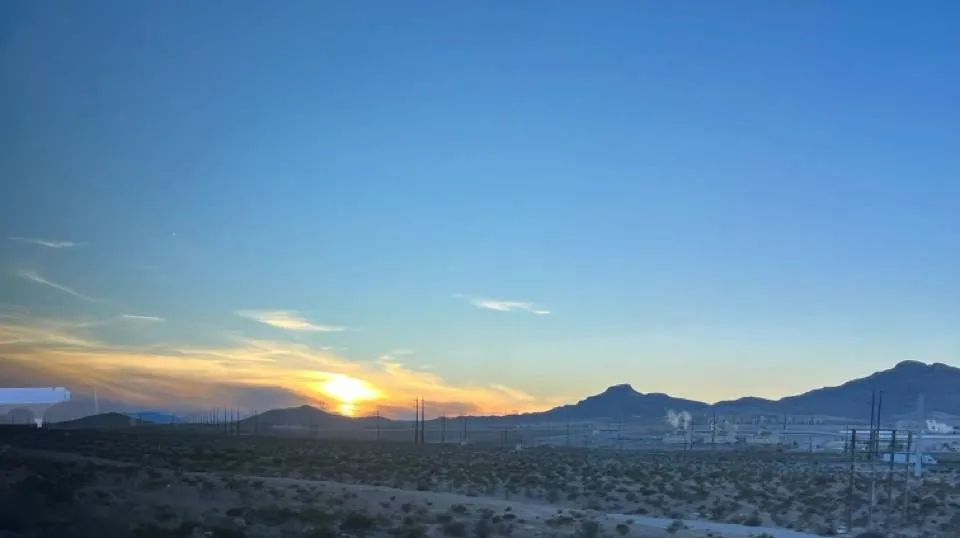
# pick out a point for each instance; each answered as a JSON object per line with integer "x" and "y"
{"x": 347, "y": 409}
{"x": 348, "y": 391}
{"x": 222, "y": 376}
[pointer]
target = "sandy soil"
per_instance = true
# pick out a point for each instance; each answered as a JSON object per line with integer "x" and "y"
{"x": 557, "y": 490}
{"x": 179, "y": 490}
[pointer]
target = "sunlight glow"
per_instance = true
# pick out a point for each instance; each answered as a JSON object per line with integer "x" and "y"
{"x": 348, "y": 391}
{"x": 347, "y": 409}
{"x": 64, "y": 348}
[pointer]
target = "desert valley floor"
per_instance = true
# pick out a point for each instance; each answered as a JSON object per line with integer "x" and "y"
{"x": 85, "y": 483}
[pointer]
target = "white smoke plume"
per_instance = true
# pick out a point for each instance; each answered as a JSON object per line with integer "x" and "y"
{"x": 679, "y": 421}
{"x": 934, "y": 426}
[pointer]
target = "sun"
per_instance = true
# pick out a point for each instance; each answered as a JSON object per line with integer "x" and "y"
{"x": 348, "y": 391}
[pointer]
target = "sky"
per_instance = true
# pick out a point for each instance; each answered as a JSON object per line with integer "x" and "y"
{"x": 496, "y": 206}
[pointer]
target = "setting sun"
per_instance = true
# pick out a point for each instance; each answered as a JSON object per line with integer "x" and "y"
{"x": 348, "y": 391}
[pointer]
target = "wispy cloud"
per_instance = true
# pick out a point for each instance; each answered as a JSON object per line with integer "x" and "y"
{"x": 289, "y": 320}
{"x": 23, "y": 329}
{"x": 501, "y": 305}
{"x": 212, "y": 376}
{"x": 517, "y": 395}
{"x": 136, "y": 317}
{"x": 36, "y": 278}
{"x": 48, "y": 242}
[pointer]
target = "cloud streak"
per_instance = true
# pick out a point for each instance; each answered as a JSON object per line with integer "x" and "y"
{"x": 47, "y": 242}
{"x": 136, "y": 317}
{"x": 288, "y": 320}
{"x": 23, "y": 330}
{"x": 36, "y": 278}
{"x": 501, "y": 305}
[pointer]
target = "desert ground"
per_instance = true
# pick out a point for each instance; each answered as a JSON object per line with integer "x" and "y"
{"x": 86, "y": 483}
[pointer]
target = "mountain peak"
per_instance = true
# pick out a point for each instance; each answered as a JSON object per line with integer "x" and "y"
{"x": 910, "y": 365}
{"x": 623, "y": 388}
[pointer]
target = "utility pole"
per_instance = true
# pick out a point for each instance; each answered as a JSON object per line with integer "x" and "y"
{"x": 463, "y": 440}
{"x": 443, "y": 429}
{"x": 879, "y": 409}
{"x": 906, "y": 481}
{"x": 416, "y": 424}
{"x": 873, "y": 489}
{"x": 853, "y": 468}
{"x": 873, "y": 417}
{"x": 893, "y": 447}
{"x": 378, "y": 423}
{"x": 921, "y": 423}
{"x": 423, "y": 423}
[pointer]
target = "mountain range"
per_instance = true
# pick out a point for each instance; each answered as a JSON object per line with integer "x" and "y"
{"x": 901, "y": 385}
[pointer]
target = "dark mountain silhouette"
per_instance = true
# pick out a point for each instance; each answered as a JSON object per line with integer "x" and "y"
{"x": 620, "y": 402}
{"x": 901, "y": 385}
{"x": 156, "y": 417}
{"x": 103, "y": 421}
{"x": 302, "y": 417}
{"x": 82, "y": 406}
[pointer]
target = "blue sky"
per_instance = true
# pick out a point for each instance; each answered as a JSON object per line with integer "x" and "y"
{"x": 710, "y": 200}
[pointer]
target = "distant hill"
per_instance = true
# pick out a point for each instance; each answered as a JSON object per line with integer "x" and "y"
{"x": 104, "y": 421}
{"x": 901, "y": 385}
{"x": 620, "y": 402}
{"x": 304, "y": 417}
{"x": 82, "y": 406}
{"x": 156, "y": 417}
